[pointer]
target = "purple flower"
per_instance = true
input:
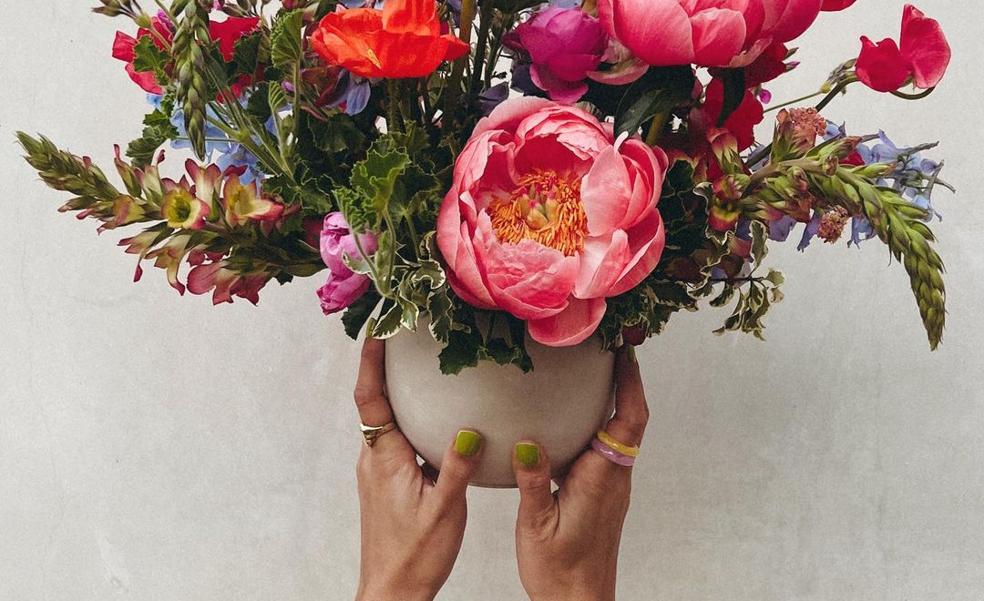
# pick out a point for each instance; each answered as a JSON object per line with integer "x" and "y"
{"x": 493, "y": 97}
{"x": 564, "y": 45}
{"x": 343, "y": 286}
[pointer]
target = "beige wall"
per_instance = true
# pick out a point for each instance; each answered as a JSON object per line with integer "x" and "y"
{"x": 153, "y": 448}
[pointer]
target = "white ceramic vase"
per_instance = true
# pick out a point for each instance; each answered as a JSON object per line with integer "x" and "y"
{"x": 561, "y": 404}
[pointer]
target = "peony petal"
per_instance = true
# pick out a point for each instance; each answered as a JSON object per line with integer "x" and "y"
{"x": 794, "y": 18}
{"x": 924, "y": 46}
{"x": 529, "y": 280}
{"x": 605, "y": 192}
{"x": 455, "y": 244}
{"x": 657, "y": 31}
{"x": 572, "y": 326}
{"x": 718, "y": 36}
{"x": 602, "y": 262}
{"x": 508, "y": 115}
{"x": 647, "y": 241}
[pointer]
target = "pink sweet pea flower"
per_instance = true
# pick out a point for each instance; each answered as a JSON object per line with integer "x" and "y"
{"x": 709, "y": 33}
{"x": 565, "y": 45}
{"x": 343, "y": 286}
{"x": 922, "y": 55}
{"x": 548, "y": 215}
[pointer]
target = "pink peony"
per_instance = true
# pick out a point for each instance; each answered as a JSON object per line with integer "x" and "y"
{"x": 343, "y": 286}
{"x": 565, "y": 45}
{"x": 923, "y": 54}
{"x": 709, "y": 33}
{"x": 548, "y": 215}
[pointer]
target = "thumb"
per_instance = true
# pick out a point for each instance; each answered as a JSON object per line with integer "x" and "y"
{"x": 536, "y": 501}
{"x": 458, "y": 466}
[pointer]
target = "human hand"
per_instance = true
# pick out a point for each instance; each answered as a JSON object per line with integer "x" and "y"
{"x": 567, "y": 542}
{"x": 413, "y": 519}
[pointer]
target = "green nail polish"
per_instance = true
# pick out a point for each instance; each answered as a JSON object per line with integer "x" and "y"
{"x": 467, "y": 443}
{"x": 528, "y": 454}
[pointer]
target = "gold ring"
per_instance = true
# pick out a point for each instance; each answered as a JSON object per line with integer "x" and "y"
{"x": 372, "y": 433}
{"x": 619, "y": 447}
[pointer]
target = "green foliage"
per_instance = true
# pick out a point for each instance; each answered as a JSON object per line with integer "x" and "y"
{"x": 656, "y": 93}
{"x": 285, "y": 39}
{"x": 251, "y": 51}
{"x": 149, "y": 58}
{"x": 158, "y": 129}
{"x": 485, "y": 335}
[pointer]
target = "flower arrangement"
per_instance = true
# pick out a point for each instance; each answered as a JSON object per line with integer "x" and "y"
{"x": 503, "y": 169}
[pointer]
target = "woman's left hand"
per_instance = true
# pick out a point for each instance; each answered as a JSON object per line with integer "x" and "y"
{"x": 413, "y": 520}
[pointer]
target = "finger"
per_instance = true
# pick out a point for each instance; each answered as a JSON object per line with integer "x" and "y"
{"x": 370, "y": 386}
{"x": 631, "y": 410}
{"x": 373, "y": 406}
{"x": 459, "y": 464}
{"x": 536, "y": 500}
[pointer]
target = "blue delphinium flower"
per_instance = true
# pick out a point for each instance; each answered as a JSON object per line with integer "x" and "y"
{"x": 352, "y": 91}
{"x": 219, "y": 148}
{"x": 912, "y": 176}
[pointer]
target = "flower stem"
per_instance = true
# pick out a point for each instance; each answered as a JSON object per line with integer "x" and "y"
{"x": 464, "y": 33}
{"x": 794, "y": 101}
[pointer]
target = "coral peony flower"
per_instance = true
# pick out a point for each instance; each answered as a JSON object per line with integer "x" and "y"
{"x": 710, "y": 33}
{"x": 923, "y": 55}
{"x": 565, "y": 45}
{"x": 343, "y": 286}
{"x": 402, "y": 40}
{"x": 548, "y": 215}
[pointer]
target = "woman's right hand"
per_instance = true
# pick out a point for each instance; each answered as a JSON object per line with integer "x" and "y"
{"x": 567, "y": 542}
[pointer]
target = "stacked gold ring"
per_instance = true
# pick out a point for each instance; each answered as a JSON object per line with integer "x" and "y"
{"x": 618, "y": 447}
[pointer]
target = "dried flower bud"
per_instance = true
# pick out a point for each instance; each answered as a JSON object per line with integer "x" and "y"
{"x": 832, "y": 224}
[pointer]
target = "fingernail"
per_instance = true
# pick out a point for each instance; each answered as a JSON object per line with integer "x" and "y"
{"x": 527, "y": 454}
{"x": 467, "y": 443}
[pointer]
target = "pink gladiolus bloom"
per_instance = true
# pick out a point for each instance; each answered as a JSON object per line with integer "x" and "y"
{"x": 923, "y": 55}
{"x": 343, "y": 286}
{"x": 564, "y": 45}
{"x": 548, "y": 215}
{"x": 709, "y": 33}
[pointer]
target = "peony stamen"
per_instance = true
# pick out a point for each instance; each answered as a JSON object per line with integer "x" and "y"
{"x": 546, "y": 208}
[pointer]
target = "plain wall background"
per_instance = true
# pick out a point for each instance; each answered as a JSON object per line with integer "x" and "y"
{"x": 153, "y": 448}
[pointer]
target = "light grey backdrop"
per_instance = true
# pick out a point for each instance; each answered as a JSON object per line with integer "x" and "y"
{"x": 153, "y": 448}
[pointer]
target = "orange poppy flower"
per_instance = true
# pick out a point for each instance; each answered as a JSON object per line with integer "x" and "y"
{"x": 403, "y": 39}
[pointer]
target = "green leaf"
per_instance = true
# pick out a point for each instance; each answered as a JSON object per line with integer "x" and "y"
{"x": 246, "y": 58}
{"x": 148, "y": 58}
{"x": 158, "y": 130}
{"x": 760, "y": 238}
{"x": 734, "y": 92}
{"x": 285, "y": 41}
{"x": 656, "y": 93}
{"x": 338, "y": 133}
{"x": 258, "y": 105}
{"x": 389, "y": 323}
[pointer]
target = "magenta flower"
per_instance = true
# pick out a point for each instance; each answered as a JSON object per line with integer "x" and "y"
{"x": 343, "y": 286}
{"x": 564, "y": 46}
